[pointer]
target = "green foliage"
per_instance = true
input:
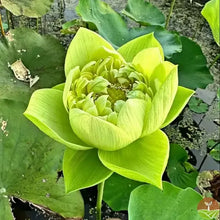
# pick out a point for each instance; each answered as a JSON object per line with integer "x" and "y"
{"x": 29, "y": 8}
{"x": 29, "y": 160}
{"x": 215, "y": 152}
{"x": 211, "y": 14}
{"x": 114, "y": 29}
{"x": 144, "y": 13}
{"x": 192, "y": 65}
{"x": 149, "y": 202}
{"x": 180, "y": 172}
{"x": 197, "y": 105}
{"x": 117, "y": 191}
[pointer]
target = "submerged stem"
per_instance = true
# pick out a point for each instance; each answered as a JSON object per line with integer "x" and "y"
{"x": 214, "y": 61}
{"x": 99, "y": 200}
{"x": 170, "y": 13}
{"x": 1, "y": 26}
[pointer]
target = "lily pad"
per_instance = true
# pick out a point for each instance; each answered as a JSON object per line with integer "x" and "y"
{"x": 197, "y": 105}
{"x": 29, "y": 160}
{"x": 29, "y": 8}
{"x": 41, "y": 55}
{"x": 117, "y": 191}
{"x": 114, "y": 29}
{"x": 144, "y": 13}
{"x": 215, "y": 152}
{"x": 192, "y": 65}
{"x": 180, "y": 172}
{"x": 149, "y": 202}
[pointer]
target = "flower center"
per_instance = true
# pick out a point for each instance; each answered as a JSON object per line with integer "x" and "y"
{"x": 102, "y": 87}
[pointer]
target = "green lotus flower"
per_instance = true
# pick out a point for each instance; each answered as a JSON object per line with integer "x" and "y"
{"x": 110, "y": 110}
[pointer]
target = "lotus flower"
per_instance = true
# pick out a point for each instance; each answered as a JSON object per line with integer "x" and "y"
{"x": 110, "y": 110}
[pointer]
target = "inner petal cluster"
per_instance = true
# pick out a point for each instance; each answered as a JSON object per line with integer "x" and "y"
{"x": 102, "y": 87}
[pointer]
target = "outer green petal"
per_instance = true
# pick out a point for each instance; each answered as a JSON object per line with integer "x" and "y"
{"x": 97, "y": 132}
{"x": 59, "y": 86}
{"x": 130, "y": 49}
{"x": 87, "y": 46}
{"x": 83, "y": 169}
{"x": 160, "y": 73}
{"x": 144, "y": 160}
{"x": 161, "y": 103}
{"x": 146, "y": 60}
{"x": 182, "y": 97}
{"x": 211, "y": 14}
{"x": 131, "y": 117}
{"x": 47, "y": 112}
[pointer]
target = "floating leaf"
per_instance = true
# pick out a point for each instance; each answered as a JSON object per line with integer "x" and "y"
{"x": 29, "y": 8}
{"x": 197, "y": 105}
{"x": 29, "y": 160}
{"x": 42, "y": 55}
{"x": 193, "y": 70}
{"x": 114, "y": 29}
{"x": 215, "y": 152}
{"x": 180, "y": 172}
{"x": 211, "y": 14}
{"x": 144, "y": 13}
{"x": 149, "y": 202}
{"x": 117, "y": 191}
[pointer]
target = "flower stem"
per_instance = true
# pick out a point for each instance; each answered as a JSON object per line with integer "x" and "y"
{"x": 99, "y": 200}
{"x": 214, "y": 61}
{"x": 170, "y": 13}
{"x": 1, "y": 26}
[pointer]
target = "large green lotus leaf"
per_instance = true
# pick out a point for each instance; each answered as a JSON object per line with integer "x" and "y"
{"x": 117, "y": 191}
{"x": 87, "y": 46}
{"x": 47, "y": 112}
{"x": 144, "y": 160}
{"x": 144, "y": 13}
{"x": 29, "y": 162}
{"x": 161, "y": 103}
{"x": 180, "y": 172}
{"x": 182, "y": 97}
{"x": 114, "y": 29}
{"x": 192, "y": 65}
{"x": 42, "y": 55}
{"x": 29, "y": 8}
{"x": 149, "y": 202}
{"x": 211, "y": 13}
{"x": 83, "y": 169}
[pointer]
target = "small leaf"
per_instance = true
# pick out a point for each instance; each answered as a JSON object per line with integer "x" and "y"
{"x": 5, "y": 207}
{"x": 180, "y": 172}
{"x": 144, "y": 13}
{"x": 83, "y": 169}
{"x": 211, "y": 14}
{"x": 29, "y": 8}
{"x": 192, "y": 65}
{"x": 214, "y": 153}
{"x": 197, "y": 105}
{"x": 144, "y": 160}
{"x": 149, "y": 202}
{"x": 117, "y": 191}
